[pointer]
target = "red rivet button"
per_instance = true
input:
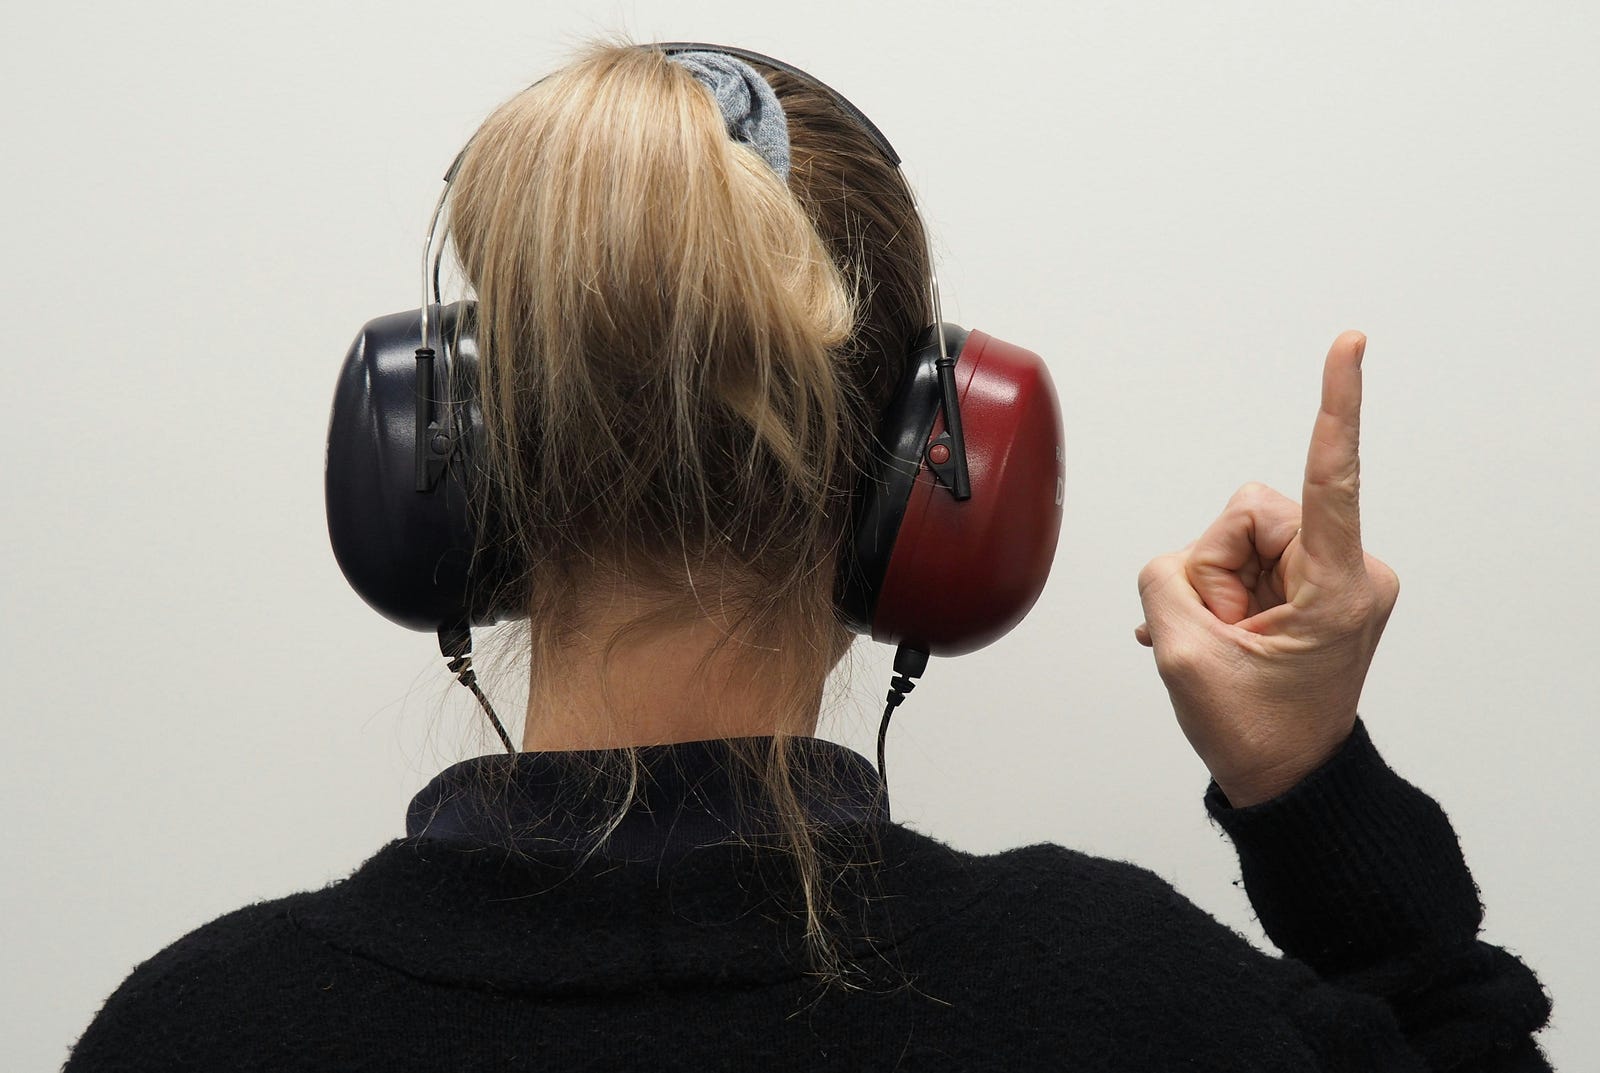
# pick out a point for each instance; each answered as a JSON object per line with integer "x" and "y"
{"x": 939, "y": 454}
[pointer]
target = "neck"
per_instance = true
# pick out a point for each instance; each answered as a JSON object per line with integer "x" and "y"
{"x": 615, "y": 687}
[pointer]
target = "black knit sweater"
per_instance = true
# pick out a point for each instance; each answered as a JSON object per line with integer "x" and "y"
{"x": 458, "y": 948}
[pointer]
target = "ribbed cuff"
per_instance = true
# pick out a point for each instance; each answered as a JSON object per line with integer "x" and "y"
{"x": 1352, "y": 865}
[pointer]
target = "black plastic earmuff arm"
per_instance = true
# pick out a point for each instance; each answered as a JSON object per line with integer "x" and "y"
{"x": 961, "y": 481}
{"x": 434, "y": 442}
{"x": 425, "y": 357}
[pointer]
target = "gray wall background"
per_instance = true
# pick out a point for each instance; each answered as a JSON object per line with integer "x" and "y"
{"x": 1178, "y": 205}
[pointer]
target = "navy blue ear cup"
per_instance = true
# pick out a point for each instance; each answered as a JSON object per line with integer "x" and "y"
{"x": 409, "y": 554}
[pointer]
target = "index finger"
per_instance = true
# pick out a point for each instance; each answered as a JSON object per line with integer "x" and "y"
{"x": 1331, "y": 503}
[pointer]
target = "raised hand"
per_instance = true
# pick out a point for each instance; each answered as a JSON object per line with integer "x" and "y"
{"x": 1264, "y": 628}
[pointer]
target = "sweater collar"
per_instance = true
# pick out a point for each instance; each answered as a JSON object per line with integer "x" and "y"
{"x": 495, "y": 885}
{"x": 558, "y": 922}
{"x": 686, "y": 795}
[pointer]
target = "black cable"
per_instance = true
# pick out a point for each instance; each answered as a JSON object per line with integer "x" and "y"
{"x": 455, "y": 641}
{"x": 466, "y": 677}
{"x": 909, "y": 663}
{"x": 883, "y": 731}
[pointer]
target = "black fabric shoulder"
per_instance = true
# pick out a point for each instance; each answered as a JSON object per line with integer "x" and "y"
{"x": 165, "y": 1013}
{"x": 1122, "y": 955}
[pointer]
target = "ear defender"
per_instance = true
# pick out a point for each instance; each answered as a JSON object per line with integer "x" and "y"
{"x": 920, "y": 567}
{"x": 934, "y": 573}
{"x": 399, "y": 474}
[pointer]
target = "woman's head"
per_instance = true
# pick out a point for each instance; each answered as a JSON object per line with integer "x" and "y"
{"x": 683, "y": 357}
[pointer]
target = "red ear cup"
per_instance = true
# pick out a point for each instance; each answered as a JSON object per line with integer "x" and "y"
{"x": 963, "y": 573}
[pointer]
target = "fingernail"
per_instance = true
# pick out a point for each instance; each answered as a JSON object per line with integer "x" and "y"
{"x": 1361, "y": 349}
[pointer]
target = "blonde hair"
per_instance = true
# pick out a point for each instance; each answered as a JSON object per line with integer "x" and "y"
{"x": 681, "y": 359}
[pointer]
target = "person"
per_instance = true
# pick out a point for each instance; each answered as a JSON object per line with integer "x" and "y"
{"x": 685, "y": 338}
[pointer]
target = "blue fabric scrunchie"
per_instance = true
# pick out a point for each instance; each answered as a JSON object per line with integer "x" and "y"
{"x": 750, "y": 109}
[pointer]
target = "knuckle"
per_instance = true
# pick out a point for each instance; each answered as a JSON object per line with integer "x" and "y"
{"x": 1391, "y": 592}
{"x": 1347, "y": 481}
{"x": 1153, "y": 571}
{"x": 1360, "y": 609}
{"x": 1384, "y": 579}
{"x": 1178, "y": 659}
{"x": 1262, "y": 499}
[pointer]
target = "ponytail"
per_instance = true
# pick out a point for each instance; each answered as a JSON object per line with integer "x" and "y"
{"x": 680, "y": 355}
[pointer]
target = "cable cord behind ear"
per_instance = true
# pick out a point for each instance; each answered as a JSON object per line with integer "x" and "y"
{"x": 455, "y": 641}
{"x": 909, "y": 663}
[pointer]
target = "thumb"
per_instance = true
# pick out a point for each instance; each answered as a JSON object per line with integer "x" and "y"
{"x": 1172, "y": 607}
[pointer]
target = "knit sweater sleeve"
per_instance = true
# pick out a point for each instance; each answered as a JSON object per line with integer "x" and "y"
{"x": 1358, "y": 874}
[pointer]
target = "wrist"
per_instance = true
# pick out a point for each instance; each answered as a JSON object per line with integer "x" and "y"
{"x": 1244, "y": 793}
{"x": 1353, "y": 865}
{"x": 1264, "y": 784}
